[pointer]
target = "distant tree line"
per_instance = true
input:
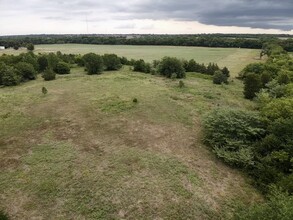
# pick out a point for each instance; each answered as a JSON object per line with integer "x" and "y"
{"x": 203, "y": 40}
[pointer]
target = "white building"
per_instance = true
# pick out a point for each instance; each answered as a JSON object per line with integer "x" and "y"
{"x": 2, "y": 48}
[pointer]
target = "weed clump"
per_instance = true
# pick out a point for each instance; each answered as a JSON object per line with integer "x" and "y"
{"x": 181, "y": 84}
{"x": 44, "y": 90}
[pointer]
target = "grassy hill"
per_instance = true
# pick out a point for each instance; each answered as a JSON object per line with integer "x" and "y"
{"x": 85, "y": 150}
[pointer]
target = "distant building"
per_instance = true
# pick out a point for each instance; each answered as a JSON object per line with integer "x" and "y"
{"x": 2, "y": 48}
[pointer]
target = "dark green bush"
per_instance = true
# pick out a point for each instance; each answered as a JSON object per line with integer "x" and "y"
{"x": 42, "y": 62}
{"x": 226, "y": 72}
{"x": 79, "y": 61}
{"x": 112, "y": 62}
{"x": 139, "y": 66}
{"x": 53, "y": 60}
{"x": 171, "y": 65}
{"x": 62, "y": 68}
{"x": 256, "y": 68}
{"x": 219, "y": 78}
{"x": 49, "y": 74}
{"x": 124, "y": 61}
{"x": 252, "y": 85}
{"x": 232, "y": 133}
{"x": 26, "y": 70}
{"x": 93, "y": 63}
{"x": 9, "y": 76}
{"x": 31, "y": 58}
{"x": 30, "y": 47}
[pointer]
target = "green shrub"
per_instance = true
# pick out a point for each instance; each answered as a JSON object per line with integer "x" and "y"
{"x": 181, "y": 84}
{"x": 232, "y": 133}
{"x": 112, "y": 62}
{"x": 30, "y": 47}
{"x": 53, "y": 60}
{"x": 31, "y": 58}
{"x": 10, "y": 76}
{"x": 49, "y": 74}
{"x": 219, "y": 78}
{"x": 43, "y": 63}
{"x": 279, "y": 205}
{"x": 124, "y": 61}
{"x": 226, "y": 72}
{"x": 79, "y": 61}
{"x": 44, "y": 90}
{"x": 139, "y": 66}
{"x": 283, "y": 78}
{"x": 135, "y": 100}
{"x": 171, "y": 65}
{"x": 62, "y": 68}
{"x": 256, "y": 68}
{"x": 278, "y": 109}
{"x": 265, "y": 78}
{"x": 93, "y": 63}
{"x": 26, "y": 70}
{"x": 276, "y": 90}
{"x": 252, "y": 85}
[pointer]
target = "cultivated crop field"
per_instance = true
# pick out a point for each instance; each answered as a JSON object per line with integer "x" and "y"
{"x": 85, "y": 150}
{"x": 234, "y": 58}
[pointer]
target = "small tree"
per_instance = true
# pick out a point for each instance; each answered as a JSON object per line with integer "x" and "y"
{"x": 139, "y": 66}
{"x": 219, "y": 78}
{"x": 170, "y": 65}
{"x": 62, "y": 68}
{"x": 49, "y": 75}
{"x": 192, "y": 66}
{"x": 112, "y": 62}
{"x": 10, "y": 76}
{"x": 226, "y": 72}
{"x": 26, "y": 70}
{"x": 43, "y": 63}
{"x": 30, "y": 47}
{"x": 252, "y": 85}
{"x": 93, "y": 63}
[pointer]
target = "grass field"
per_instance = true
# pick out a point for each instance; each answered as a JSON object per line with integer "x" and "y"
{"x": 87, "y": 151}
{"x": 234, "y": 58}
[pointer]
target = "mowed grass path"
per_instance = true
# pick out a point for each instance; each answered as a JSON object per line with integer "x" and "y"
{"x": 87, "y": 151}
{"x": 234, "y": 58}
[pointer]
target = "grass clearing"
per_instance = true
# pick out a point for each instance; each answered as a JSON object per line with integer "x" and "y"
{"x": 87, "y": 151}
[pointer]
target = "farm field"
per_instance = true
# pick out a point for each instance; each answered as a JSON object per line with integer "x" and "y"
{"x": 234, "y": 58}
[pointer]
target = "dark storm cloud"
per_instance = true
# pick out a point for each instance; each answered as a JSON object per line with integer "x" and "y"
{"x": 249, "y": 13}
{"x": 242, "y": 13}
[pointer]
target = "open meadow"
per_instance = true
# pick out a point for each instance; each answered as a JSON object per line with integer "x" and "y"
{"x": 234, "y": 58}
{"x": 86, "y": 150}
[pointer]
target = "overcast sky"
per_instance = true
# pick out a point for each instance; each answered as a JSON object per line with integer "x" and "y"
{"x": 145, "y": 16}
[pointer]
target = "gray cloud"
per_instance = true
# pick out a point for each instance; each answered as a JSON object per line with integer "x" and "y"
{"x": 264, "y": 14}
